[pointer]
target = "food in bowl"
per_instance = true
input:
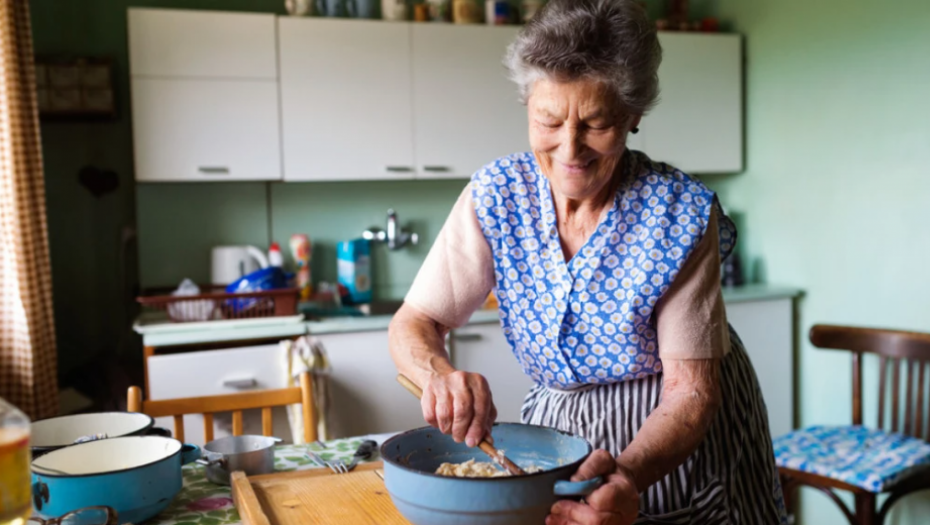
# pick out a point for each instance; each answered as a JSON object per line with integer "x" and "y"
{"x": 478, "y": 469}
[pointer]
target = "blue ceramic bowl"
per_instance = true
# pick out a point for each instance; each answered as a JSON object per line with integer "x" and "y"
{"x": 425, "y": 498}
{"x": 137, "y": 475}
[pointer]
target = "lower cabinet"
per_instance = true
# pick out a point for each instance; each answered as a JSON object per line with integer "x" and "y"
{"x": 364, "y": 393}
{"x": 216, "y": 372}
{"x": 767, "y": 331}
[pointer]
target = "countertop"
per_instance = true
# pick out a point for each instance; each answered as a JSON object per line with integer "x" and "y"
{"x": 157, "y": 332}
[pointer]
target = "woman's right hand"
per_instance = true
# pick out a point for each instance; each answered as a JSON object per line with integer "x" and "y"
{"x": 459, "y": 403}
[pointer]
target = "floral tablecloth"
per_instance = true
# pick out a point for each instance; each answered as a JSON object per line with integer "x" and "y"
{"x": 201, "y": 502}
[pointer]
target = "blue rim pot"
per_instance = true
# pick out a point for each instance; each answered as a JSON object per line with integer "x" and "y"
{"x": 425, "y": 498}
{"x": 137, "y": 475}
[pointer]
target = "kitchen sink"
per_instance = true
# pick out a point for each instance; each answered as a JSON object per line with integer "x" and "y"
{"x": 384, "y": 307}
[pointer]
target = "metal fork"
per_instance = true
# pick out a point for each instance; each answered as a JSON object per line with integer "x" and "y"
{"x": 364, "y": 451}
{"x": 338, "y": 467}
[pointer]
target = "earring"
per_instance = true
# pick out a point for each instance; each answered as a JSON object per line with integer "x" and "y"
{"x": 634, "y": 130}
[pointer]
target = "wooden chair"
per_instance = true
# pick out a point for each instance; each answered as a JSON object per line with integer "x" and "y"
{"x": 235, "y": 403}
{"x": 894, "y": 348}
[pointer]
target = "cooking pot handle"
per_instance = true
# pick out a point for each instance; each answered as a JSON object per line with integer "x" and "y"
{"x": 577, "y": 488}
{"x": 211, "y": 462}
{"x": 189, "y": 453}
{"x": 159, "y": 431}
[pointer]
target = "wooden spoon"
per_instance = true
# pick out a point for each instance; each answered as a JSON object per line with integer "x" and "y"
{"x": 485, "y": 447}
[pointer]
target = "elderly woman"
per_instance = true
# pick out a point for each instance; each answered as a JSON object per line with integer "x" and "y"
{"x": 605, "y": 265}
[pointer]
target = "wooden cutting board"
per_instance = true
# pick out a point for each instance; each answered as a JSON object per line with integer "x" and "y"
{"x": 316, "y": 497}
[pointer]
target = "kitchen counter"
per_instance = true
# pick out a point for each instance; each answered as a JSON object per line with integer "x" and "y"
{"x": 338, "y": 325}
{"x": 157, "y": 332}
{"x": 758, "y": 292}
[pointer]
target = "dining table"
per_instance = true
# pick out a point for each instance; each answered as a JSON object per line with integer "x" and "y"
{"x": 202, "y": 502}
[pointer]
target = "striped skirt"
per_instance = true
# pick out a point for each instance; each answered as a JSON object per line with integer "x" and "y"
{"x": 731, "y": 478}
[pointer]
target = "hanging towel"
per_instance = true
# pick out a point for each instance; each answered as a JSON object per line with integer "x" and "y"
{"x": 306, "y": 354}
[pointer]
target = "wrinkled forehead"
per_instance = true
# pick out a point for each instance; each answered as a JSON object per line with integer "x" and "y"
{"x": 574, "y": 99}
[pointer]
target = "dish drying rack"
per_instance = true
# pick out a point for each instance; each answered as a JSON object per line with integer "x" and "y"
{"x": 214, "y": 303}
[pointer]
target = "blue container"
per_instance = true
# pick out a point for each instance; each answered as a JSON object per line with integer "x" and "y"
{"x": 425, "y": 498}
{"x": 269, "y": 278}
{"x": 353, "y": 268}
{"x": 138, "y": 476}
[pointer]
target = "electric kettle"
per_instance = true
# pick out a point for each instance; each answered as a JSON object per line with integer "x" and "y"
{"x": 230, "y": 263}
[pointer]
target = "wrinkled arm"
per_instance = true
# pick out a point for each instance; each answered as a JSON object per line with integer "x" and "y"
{"x": 417, "y": 345}
{"x": 673, "y": 431}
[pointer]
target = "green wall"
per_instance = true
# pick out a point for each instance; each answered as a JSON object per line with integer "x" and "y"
{"x": 836, "y": 187}
{"x": 179, "y": 223}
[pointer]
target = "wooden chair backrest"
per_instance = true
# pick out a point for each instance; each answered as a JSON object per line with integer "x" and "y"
{"x": 235, "y": 403}
{"x": 896, "y": 349}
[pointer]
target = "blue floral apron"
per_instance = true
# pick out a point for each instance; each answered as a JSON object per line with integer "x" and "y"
{"x": 589, "y": 320}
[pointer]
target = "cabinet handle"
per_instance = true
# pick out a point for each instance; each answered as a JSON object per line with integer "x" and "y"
{"x": 466, "y": 337}
{"x": 240, "y": 384}
{"x": 399, "y": 169}
{"x": 213, "y": 170}
{"x": 437, "y": 169}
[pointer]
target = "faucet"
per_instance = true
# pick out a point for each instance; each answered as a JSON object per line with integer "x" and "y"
{"x": 395, "y": 237}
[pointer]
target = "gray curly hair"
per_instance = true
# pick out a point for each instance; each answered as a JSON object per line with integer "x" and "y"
{"x": 610, "y": 41}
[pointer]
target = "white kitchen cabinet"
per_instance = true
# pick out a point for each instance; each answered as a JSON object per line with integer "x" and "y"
{"x": 346, "y": 99}
{"x": 204, "y": 95}
{"x": 698, "y": 124}
{"x": 482, "y": 348}
{"x": 466, "y": 110}
{"x": 205, "y": 130}
{"x": 365, "y": 395}
{"x": 212, "y": 44}
{"x": 216, "y": 372}
{"x": 766, "y": 328}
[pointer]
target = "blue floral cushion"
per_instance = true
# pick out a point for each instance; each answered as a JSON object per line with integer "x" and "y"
{"x": 868, "y": 458}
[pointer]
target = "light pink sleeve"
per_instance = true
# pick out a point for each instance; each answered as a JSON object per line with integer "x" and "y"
{"x": 691, "y": 319}
{"x": 458, "y": 272}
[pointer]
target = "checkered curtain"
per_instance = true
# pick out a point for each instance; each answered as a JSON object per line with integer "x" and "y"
{"x": 28, "y": 361}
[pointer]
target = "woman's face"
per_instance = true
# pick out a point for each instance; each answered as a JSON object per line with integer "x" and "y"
{"x": 578, "y": 134}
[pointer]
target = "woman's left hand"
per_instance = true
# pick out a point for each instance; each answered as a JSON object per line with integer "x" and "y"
{"x": 616, "y": 502}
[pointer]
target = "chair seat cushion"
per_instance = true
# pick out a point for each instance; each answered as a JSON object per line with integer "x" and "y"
{"x": 872, "y": 459}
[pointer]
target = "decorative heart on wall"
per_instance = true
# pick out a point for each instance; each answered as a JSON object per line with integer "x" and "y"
{"x": 98, "y": 181}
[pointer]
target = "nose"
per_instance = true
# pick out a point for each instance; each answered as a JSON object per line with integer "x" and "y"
{"x": 572, "y": 142}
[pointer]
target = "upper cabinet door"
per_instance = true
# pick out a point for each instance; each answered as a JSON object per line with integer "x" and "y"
{"x": 205, "y": 130}
{"x": 184, "y": 43}
{"x": 345, "y": 99}
{"x": 466, "y": 111}
{"x": 698, "y": 124}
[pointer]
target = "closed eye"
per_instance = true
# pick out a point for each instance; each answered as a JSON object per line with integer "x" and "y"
{"x": 599, "y": 126}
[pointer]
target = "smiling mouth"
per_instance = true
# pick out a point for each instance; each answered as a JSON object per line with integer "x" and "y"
{"x": 576, "y": 167}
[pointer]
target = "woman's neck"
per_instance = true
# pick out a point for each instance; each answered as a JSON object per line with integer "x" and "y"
{"x": 590, "y": 208}
{"x": 578, "y": 218}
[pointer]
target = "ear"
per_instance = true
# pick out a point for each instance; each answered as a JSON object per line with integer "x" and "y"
{"x": 634, "y": 122}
